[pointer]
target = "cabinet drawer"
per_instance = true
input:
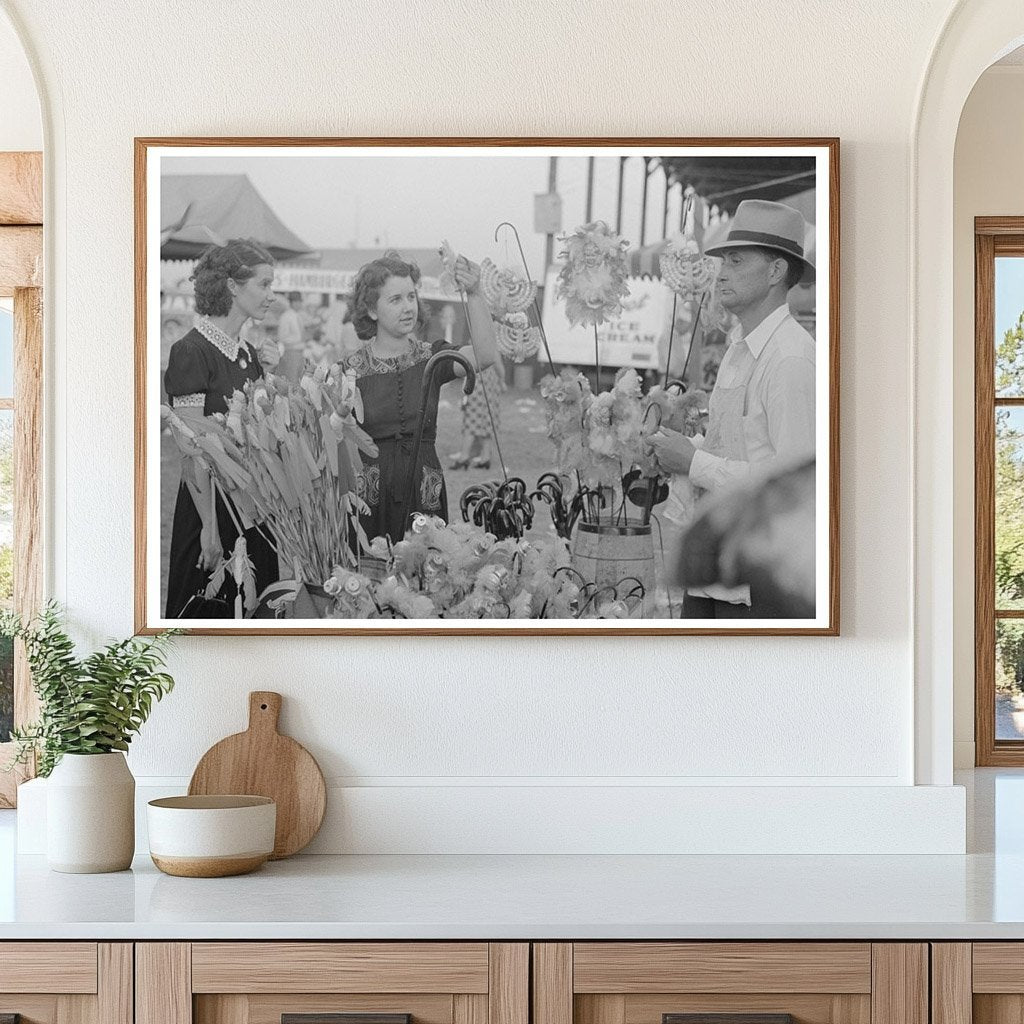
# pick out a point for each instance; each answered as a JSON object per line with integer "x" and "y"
{"x": 752, "y": 967}
{"x": 340, "y": 967}
{"x": 730, "y": 983}
{"x": 327, "y": 982}
{"x": 64, "y": 967}
{"x": 998, "y": 967}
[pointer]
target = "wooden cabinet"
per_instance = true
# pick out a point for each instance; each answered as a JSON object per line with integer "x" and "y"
{"x": 512, "y": 983}
{"x": 653, "y": 982}
{"x": 260, "y": 982}
{"x": 978, "y": 983}
{"x": 66, "y": 982}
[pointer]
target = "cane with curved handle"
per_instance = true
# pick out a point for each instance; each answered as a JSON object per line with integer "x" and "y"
{"x": 429, "y": 372}
{"x": 540, "y": 320}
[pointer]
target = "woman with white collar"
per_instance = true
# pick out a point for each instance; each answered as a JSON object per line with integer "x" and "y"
{"x": 232, "y": 286}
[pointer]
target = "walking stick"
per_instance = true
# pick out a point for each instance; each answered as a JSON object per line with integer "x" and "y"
{"x": 536, "y": 307}
{"x": 428, "y": 381}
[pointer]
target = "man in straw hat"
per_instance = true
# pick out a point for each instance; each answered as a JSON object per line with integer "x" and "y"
{"x": 762, "y": 406}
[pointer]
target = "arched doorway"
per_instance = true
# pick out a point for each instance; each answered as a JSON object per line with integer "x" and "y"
{"x": 976, "y": 34}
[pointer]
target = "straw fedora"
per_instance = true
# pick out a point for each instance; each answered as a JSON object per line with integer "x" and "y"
{"x": 769, "y": 226}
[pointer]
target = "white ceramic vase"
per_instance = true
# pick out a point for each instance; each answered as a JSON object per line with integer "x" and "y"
{"x": 90, "y": 814}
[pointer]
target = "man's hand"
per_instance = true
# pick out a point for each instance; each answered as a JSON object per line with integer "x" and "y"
{"x": 674, "y": 451}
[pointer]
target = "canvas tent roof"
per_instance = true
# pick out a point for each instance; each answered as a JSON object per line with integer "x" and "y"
{"x": 198, "y": 210}
{"x": 645, "y": 261}
{"x": 726, "y": 181}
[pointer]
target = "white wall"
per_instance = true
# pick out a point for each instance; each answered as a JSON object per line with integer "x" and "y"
{"x": 987, "y": 182}
{"x": 459, "y": 711}
{"x": 21, "y": 127}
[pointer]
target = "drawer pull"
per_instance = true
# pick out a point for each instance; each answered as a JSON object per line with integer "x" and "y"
{"x": 339, "y": 1018}
{"x": 727, "y": 1018}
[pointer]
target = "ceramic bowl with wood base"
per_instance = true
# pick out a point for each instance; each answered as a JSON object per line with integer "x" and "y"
{"x": 211, "y": 836}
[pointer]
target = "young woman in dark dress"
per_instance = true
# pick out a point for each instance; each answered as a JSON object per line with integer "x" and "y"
{"x": 389, "y": 367}
{"x": 205, "y": 367}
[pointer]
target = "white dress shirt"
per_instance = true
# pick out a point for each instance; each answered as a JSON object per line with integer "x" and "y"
{"x": 779, "y": 421}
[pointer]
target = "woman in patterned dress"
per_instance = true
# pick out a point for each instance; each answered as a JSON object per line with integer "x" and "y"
{"x": 481, "y": 418}
{"x": 205, "y": 367}
{"x": 389, "y": 367}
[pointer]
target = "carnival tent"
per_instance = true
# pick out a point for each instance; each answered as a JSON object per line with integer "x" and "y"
{"x": 198, "y": 210}
{"x": 644, "y": 262}
{"x": 726, "y": 181}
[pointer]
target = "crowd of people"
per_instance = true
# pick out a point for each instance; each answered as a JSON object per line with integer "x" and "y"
{"x": 761, "y": 408}
{"x": 222, "y": 352}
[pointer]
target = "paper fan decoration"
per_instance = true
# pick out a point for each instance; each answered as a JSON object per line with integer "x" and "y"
{"x": 448, "y": 258}
{"x": 504, "y": 290}
{"x": 516, "y": 339}
{"x": 684, "y": 270}
{"x": 592, "y": 280}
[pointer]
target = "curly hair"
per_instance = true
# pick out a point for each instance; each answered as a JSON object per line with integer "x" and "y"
{"x": 366, "y": 292}
{"x": 235, "y": 261}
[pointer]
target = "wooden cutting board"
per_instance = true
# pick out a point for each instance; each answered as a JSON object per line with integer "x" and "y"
{"x": 262, "y": 762}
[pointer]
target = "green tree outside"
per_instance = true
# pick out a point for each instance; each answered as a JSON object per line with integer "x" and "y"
{"x": 1009, "y": 510}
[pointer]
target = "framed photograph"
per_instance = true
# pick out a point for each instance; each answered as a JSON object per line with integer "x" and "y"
{"x": 432, "y": 386}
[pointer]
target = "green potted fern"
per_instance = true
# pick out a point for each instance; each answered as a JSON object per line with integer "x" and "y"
{"x": 89, "y": 709}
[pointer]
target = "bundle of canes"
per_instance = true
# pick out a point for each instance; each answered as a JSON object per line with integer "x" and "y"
{"x": 428, "y": 387}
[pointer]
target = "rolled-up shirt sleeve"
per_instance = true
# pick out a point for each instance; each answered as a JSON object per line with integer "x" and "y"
{"x": 789, "y": 412}
{"x": 712, "y": 471}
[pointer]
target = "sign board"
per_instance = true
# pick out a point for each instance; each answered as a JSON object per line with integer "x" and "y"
{"x": 342, "y": 282}
{"x": 639, "y": 338}
{"x": 547, "y": 213}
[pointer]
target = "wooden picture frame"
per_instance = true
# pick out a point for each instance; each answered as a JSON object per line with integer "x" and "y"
{"x": 284, "y": 169}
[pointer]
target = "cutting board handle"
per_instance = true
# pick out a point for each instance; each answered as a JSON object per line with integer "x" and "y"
{"x": 264, "y": 710}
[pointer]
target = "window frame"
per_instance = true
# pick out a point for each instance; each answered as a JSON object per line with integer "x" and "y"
{"x": 993, "y": 237}
{"x": 21, "y": 278}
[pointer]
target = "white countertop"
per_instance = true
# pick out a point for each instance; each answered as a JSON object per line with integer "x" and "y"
{"x": 976, "y": 896}
{"x": 516, "y": 897}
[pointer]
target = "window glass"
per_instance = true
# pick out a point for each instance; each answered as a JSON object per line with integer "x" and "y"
{"x": 1009, "y": 679}
{"x": 1009, "y": 327}
{"x": 1009, "y": 512}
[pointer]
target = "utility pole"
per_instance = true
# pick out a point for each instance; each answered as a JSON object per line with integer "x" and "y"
{"x": 664, "y": 216}
{"x": 549, "y": 242}
{"x": 618, "y": 201}
{"x": 590, "y": 189}
{"x": 643, "y": 201}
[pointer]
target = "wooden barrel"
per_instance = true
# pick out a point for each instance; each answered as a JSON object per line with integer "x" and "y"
{"x": 605, "y": 555}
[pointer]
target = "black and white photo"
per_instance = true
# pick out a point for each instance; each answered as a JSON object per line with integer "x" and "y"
{"x": 469, "y": 386}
